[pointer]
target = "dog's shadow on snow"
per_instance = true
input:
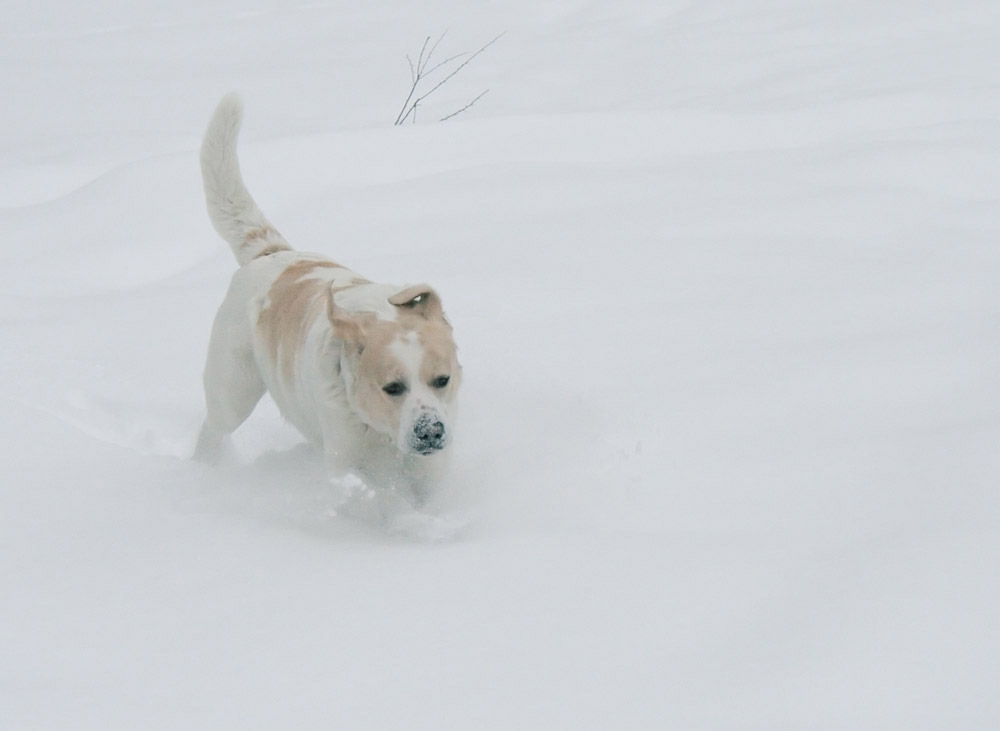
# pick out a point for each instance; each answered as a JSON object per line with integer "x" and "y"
{"x": 286, "y": 486}
{"x": 291, "y": 489}
{"x": 503, "y": 477}
{"x": 500, "y": 478}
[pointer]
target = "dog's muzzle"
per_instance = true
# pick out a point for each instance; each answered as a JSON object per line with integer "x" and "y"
{"x": 428, "y": 434}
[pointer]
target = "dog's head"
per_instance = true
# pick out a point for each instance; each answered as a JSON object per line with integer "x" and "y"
{"x": 399, "y": 363}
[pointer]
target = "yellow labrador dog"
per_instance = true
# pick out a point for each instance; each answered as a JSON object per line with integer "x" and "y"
{"x": 366, "y": 371}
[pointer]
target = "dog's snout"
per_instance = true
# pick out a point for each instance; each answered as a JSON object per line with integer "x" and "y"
{"x": 428, "y": 434}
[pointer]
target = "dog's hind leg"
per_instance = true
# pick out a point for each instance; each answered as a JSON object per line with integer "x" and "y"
{"x": 233, "y": 384}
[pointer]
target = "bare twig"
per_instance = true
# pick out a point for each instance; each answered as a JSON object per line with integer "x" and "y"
{"x": 455, "y": 114}
{"x": 415, "y": 73}
{"x": 461, "y": 66}
{"x": 420, "y": 71}
{"x": 434, "y": 47}
{"x": 420, "y": 60}
{"x": 445, "y": 62}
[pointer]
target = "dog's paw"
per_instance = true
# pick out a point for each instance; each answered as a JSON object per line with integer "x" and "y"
{"x": 350, "y": 487}
{"x": 214, "y": 451}
{"x": 354, "y": 498}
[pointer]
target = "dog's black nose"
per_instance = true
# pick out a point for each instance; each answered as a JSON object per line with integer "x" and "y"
{"x": 428, "y": 435}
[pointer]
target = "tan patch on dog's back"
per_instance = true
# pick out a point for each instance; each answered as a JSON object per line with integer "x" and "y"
{"x": 294, "y": 300}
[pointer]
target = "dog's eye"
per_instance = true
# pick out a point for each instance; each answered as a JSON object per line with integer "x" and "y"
{"x": 440, "y": 381}
{"x": 395, "y": 388}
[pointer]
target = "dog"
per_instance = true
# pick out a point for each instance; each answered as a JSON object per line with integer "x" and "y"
{"x": 368, "y": 372}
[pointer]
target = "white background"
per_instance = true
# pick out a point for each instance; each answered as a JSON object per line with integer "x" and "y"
{"x": 724, "y": 277}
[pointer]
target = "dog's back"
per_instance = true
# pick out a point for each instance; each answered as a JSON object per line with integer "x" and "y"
{"x": 232, "y": 209}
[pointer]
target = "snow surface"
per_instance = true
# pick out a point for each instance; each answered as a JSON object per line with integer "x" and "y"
{"x": 724, "y": 276}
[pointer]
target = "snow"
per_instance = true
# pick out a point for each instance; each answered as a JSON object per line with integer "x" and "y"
{"x": 724, "y": 281}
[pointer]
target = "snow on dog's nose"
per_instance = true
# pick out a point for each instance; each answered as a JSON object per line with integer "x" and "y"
{"x": 428, "y": 434}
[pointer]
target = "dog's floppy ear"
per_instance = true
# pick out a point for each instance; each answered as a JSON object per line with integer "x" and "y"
{"x": 347, "y": 326}
{"x": 420, "y": 299}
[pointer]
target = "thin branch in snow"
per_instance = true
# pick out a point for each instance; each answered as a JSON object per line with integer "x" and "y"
{"x": 434, "y": 47}
{"x": 420, "y": 71}
{"x": 455, "y": 114}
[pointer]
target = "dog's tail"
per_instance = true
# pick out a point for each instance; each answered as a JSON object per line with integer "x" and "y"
{"x": 233, "y": 211}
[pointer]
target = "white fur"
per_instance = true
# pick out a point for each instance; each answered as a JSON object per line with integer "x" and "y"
{"x": 407, "y": 350}
{"x": 420, "y": 399}
{"x": 369, "y": 297}
{"x": 230, "y": 206}
{"x": 242, "y": 364}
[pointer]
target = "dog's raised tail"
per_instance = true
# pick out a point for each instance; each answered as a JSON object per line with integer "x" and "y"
{"x": 233, "y": 211}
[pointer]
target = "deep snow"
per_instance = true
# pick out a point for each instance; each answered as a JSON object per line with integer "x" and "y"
{"x": 724, "y": 279}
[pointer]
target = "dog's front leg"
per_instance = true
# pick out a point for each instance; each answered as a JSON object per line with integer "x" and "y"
{"x": 360, "y": 492}
{"x": 341, "y": 448}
